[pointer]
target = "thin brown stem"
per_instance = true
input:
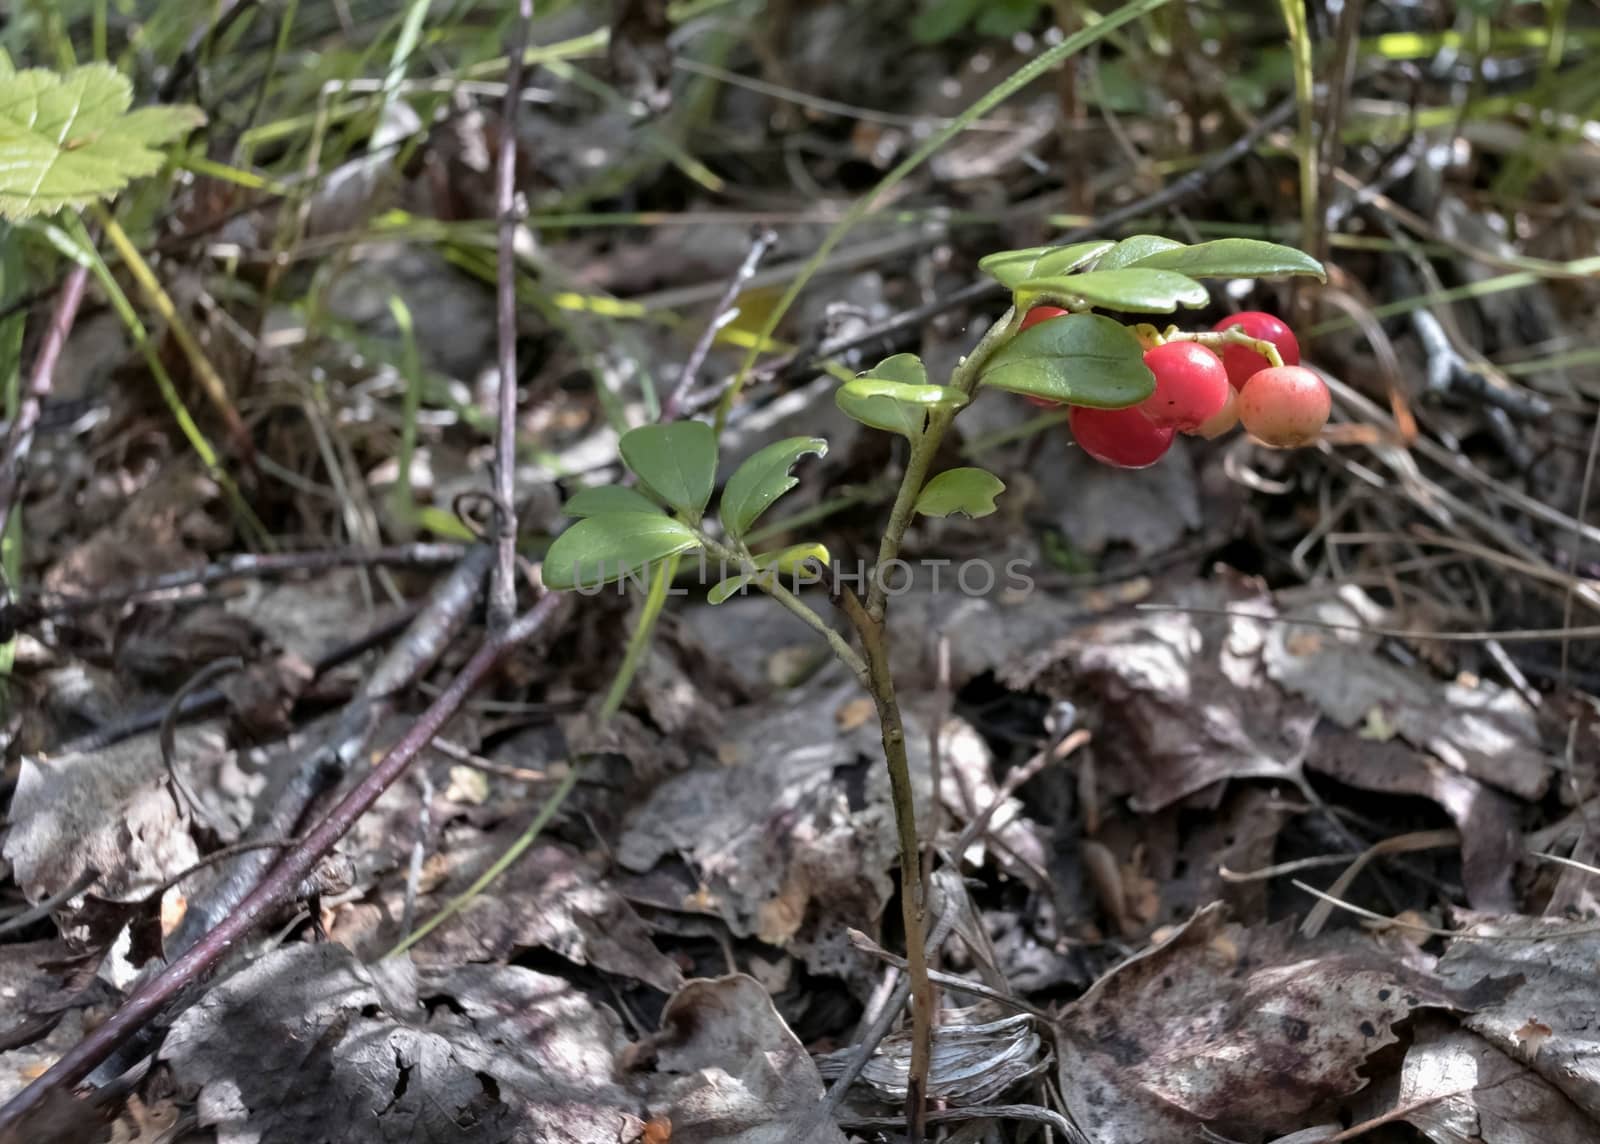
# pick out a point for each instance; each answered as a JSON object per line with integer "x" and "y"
{"x": 20, "y": 439}
{"x": 763, "y": 242}
{"x": 503, "y": 585}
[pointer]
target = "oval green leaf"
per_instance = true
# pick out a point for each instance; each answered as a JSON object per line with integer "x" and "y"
{"x": 1235, "y": 258}
{"x": 791, "y": 559}
{"x": 677, "y": 462}
{"x": 968, "y": 491}
{"x": 1011, "y": 268}
{"x": 603, "y": 549}
{"x": 1132, "y": 249}
{"x": 897, "y": 406}
{"x": 1081, "y": 359}
{"x": 901, "y": 367}
{"x": 1141, "y": 290}
{"x": 762, "y": 479}
{"x": 608, "y": 498}
{"x": 785, "y": 561}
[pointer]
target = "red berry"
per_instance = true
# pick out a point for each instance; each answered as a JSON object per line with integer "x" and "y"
{"x": 1286, "y": 406}
{"x": 1125, "y": 438}
{"x": 1191, "y": 385}
{"x": 1243, "y": 362}
{"x": 1032, "y": 318}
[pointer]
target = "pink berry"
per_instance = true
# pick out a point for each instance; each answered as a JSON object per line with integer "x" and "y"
{"x": 1243, "y": 362}
{"x": 1221, "y": 421}
{"x": 1191, "y": 385}
{"x": 1125, "y": 438}
{"x": 1031, "y": 319}
{"x": 1286, "y": 406}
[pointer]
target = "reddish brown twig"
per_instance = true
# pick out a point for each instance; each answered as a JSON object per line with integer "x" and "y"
{"x": 20, "y": 439}
{"x": 503, "y": 586}
{"x": 280, "y": 884}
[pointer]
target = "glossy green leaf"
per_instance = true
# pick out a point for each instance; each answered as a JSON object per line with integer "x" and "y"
{"x": 789, "y": 561}
{"x": 897, "y": 406}
{"x": 1235, "y": 258}
{"x": 1082, "y": 359}
{"x": 968, "y": 491}
{"x": 1130, "y": 250}
{"x": 603, "y": 549}
{"x": 1011, "y": 268}
{"x": 677, "y": 462}
{"x": 608, "y": 498}
{"x": 762, "y": 479}
{"x": 901, "y": 367}
{"x": 1142, "y": 290}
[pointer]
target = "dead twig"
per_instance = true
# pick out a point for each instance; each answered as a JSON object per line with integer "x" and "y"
{"x": 20, "y": 440}
{"x": 503, "y": 586}
{"x": 680, "y": 398}
{"x": 280, "y": 885}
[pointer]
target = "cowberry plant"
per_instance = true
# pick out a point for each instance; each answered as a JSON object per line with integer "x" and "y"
{"x": 1131, "y": 388}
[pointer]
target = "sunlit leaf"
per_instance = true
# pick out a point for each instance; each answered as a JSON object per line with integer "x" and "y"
{"x": 603, "y": 549}
{"x": 1142, "y": 290}
{"x": 69, "y": 140}
{"x": 1235, "y": 258}
{"x": 907, "y": 368}
{"x": 1130, "y": 250}
{"x": 1011, "y": 268}
{"x": 968, "y": 491}
{"x": 1081, "y": 359}
{"x": 897, "y": 406}
{"x": 803, "y": 563}
{"x": 762, "y": 479}
{"x": 676, "y": 461}
{"x": 608, "y": 498}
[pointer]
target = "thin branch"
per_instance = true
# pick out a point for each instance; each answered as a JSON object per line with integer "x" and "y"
{"x": 20, "y": 439}
{"x": 503, "y": 587}
{"x": 760, "y": 244}
{"x": 281, "y": 884}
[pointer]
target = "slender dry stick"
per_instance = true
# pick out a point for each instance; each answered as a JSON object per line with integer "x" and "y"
{"x": 503, "y": 585}
{"x": 20, "y": 439}
{"x": 282, "y": 883}
{"x": 763, "y": 242}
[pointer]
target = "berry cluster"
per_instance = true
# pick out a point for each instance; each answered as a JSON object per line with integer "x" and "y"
{"x": 1203, "y": 394}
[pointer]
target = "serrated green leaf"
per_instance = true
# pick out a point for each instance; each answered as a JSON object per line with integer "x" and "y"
{"x": 970, "y": 491}
{"x": 897, "y": 406}
{"x": 1235, "y": 258}
{"x": 1130, "y": 250}
{"x": 762, "y": 479}
{"x": 901, "y": 367}
{"x": 677, "y": 462}
{"x": 1081, "y": 359}
{"x": 604, "y": 549}
{"x": 784, "y": 561}
{"x": 69, "y": 140}
{"x": 1011, "y": 268}
{"x": 1141, "y": 290}
{"x": 608, "y": 498}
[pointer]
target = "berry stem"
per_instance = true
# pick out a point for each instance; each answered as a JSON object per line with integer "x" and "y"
{"x": 1219, "y": 339}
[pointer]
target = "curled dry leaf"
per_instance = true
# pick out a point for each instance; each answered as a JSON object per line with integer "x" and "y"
{"x": 1549, "y": 1014}
{"x": 307, "y": 1043}
{"x": 729, "y": 1071}
{"x": 113, "y": 812}
{"x": 1457, "y": 1088}
{"x": 1184, "y": 698}
{"x": 1231, "y": 1028}
{"x": 1484, "y": 730}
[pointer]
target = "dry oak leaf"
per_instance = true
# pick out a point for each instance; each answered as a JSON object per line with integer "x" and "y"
{"x": 1239, "y": 1030}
